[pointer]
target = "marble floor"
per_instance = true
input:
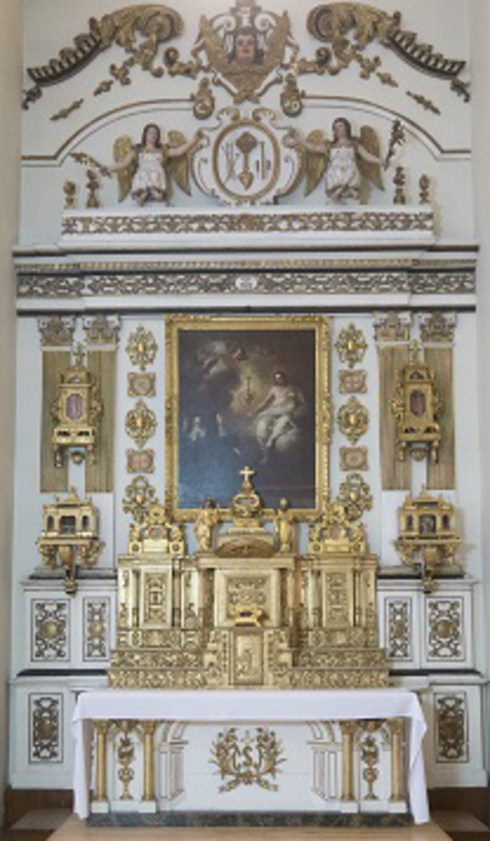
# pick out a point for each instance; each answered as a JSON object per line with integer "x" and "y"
{"x": 76, "y": 830}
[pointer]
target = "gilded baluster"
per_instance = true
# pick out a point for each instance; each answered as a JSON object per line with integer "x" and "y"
{"x": 149, "y": 728}
{"x": 100, "y": 791}
{"x": 348, "y": 729}
{"x": 396, "y": 726}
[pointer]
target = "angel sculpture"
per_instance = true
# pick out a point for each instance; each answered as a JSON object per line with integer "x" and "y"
{"x": 347, "y": 162}
{"x": 144, "y": 170}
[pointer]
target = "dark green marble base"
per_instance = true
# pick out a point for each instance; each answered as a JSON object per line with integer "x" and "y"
{"x": 263, "y": 819}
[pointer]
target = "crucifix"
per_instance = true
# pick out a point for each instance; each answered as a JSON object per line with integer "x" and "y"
{"x": 247, "y": 474}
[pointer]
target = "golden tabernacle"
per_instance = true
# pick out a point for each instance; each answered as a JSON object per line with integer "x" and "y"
{"x": 246, "y": 610}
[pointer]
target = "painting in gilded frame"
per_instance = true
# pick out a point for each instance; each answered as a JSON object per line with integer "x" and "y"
{"x": 247, "y": 391}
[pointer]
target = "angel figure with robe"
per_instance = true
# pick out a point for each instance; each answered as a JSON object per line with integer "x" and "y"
{"x": 144, "y": 170}
{"x": 346, "y": 162}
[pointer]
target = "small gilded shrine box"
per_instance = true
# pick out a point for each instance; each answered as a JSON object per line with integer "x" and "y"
{"x": 76, "y": 411}
{"x": 417, "y": 409}
{"x": 428, "y": 533}
{"x": 70, "y": 531}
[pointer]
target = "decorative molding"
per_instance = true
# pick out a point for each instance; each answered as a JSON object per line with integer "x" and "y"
{"x": 393, "y": 327}
{"x": 140, "y": 461}
{"x": 414, "y": 220}
{"x": 355, "y": 496}
{"x": 45, "y": 728}
{"x": 57, "y": 330}
{"x": 247, "y": 759}
{"x": 445, "y": 629}
{"x": 354, "y": 458}
{"x": 351, "y": 345}
{"x": 438, "y": 327}
{"x": 96, "y": 644}
{"x": 140, "y": 30}
{"x": 141, "y": 384}
{"x": 451, "y": 730}
{"x": 50, "y": 630}
{"x": 398, "y": 618}
{"x": 353, "y": 382}
{"x": 48, "y": 285}
{"x": 349, "y": 28}
{"x": 139, "y": 496}
{"x": 102, "y": 330}
{"x": 142, "y": 348}
{"x": 141, "y": 424}
{"x": 353, "y": 420}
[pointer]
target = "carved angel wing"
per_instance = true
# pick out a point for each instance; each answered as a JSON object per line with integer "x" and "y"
{"x": 370, "y": 171}
{"x": 315, "y": 162}
{"x": 180, "y": 166}
{"x": 276, "y": 42}
{"x": 217, "y": 57}
{"x": 122, "y": 147}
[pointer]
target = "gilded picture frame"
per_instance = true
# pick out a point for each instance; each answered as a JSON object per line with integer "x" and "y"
{"x": 247, "y": 391}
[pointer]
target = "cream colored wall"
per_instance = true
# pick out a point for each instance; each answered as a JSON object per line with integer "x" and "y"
{"x": 10, "y": 117}
{"x": 480, "y": 33}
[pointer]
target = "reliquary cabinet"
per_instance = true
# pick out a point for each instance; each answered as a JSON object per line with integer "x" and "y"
{"x": 246, "y": 610}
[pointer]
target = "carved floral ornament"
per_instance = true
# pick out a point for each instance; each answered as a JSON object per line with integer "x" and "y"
{"x": 245, "y": 50}
{"x": 353, "y": 420}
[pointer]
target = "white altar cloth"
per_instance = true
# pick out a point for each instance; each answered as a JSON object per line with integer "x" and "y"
{"x": 225, "y": 706}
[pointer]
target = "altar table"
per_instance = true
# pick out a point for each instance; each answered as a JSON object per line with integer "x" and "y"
{"x": 225, "y": 707}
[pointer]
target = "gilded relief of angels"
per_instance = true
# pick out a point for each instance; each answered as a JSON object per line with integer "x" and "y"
{"x": 348, "y": 164}
{"x": 145, "y": 170}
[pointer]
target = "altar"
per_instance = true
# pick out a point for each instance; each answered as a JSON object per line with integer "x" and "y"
{"x": 135, "y": 725}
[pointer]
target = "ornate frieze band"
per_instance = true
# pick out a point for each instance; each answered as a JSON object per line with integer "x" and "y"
{"x": 51, "y": 284}
{"x": 322, "y": 221}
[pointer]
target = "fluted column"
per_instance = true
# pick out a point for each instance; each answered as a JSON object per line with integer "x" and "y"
{"x": 348, "y": 729}
{"x": 149, "y": 728}
{"x": 100, "y": 789}
{"x": 396, "y": 726}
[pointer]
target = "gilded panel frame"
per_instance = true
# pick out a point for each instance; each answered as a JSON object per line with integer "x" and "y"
{"x": 291, "y": 341}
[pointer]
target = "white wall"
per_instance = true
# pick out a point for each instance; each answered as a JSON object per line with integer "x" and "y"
{"x": 10, "y": 116}
{"x": 480, "y": 20}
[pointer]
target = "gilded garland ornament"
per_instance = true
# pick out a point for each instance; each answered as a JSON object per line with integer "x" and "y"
{"x": 142, "y": 348}
{"x": 349, "y": 28}
{"x": 140, "y": 495}
{"x": 247, "y": 760}
{"x": 351, "y": 345}
{"x": 139, "y": 30}
{"x": 141, "y": 424}
{"x": 353, "y": 420}
{"x": 355, "y": 495}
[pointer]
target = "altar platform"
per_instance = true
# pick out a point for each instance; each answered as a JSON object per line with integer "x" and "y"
{"x": 339, "y": 752}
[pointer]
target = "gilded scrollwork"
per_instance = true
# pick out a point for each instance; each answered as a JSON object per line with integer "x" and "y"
{"x": 353, "y": 382}
{"x": 57, "y": 330}
{"x": 96, "y": 629}
{"x": 142, "y": 348}
{"x": 102, "y": 330}
{"x": 399, "y": 630}
{"x": 46, "y": 723}
{"x": 452, "y": 743}
{"x": 355, "y": 495}
{"x": 50, "y": 637}
{"x": 349, "y": 28}
{"x": 140, "y": 461}
{"x": 141, "y": 384}
{"x": 445, "y": 631}
{"x": 354, "y": 458}
{"x": 140, "y": 495}
{"x": 141, "y": 424}
{"x": 139, "y": 30}
{"x": 247, "y": 759}
{"x": 353, "y": 420}
{"x": 351, "y": 345}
